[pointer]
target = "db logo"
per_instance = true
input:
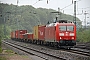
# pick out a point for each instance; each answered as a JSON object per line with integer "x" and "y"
{"x": 41, "y": 33}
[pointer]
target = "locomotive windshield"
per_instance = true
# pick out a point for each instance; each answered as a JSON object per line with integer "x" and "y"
{"x": 70, "y": 28}
{"x": 66, "y": 28}
{"x": 62, "y": 28}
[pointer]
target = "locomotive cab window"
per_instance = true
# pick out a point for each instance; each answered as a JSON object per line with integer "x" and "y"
{"x": 70, "y": 28}
{"x": 62, "y": 28}
{"x": 66, "y": 28}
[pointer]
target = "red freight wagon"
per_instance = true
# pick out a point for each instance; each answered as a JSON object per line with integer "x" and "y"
{"x": 41, "y": 32}
{"x": 28, "y": 36}
{"x": 50, "y": 34}
{"x": 21, "y": 36}
{"x": 22, "y": 31}
{"x": 12, "y": 35}
{"x": 16, "y": 34}
{"x": 19, "y": 32}
{"x": 24, "y": 36}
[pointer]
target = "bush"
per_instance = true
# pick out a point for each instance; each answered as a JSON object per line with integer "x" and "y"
{"x": 0, "y": 46}
{"x": 0, "y": 50}
{"x": 83, "y": 35}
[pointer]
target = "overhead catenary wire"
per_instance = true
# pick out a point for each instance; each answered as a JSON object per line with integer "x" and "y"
{"x": 85, "y": 8}
{"x": 36, "y": 2}
{"x": 66, "y": 6}
{"x": 70, "y": 4}
{"x": 77, "y": 7}
{"x": 40, "y": 0}
{"x": 81, "y": 8}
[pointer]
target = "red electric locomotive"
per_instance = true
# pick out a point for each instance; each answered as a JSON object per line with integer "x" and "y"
{"x": 60, "y": 34}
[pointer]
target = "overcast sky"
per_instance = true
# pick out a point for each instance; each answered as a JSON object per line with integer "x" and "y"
{"x": 82, "y": 5}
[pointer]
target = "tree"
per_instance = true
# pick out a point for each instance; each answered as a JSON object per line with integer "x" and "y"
{"x": 1, "y": 34}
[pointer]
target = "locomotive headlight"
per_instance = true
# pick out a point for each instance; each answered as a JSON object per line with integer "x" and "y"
{"x": 71, "y": 34}
{"x": 60, "y": 38}
{"x": 61, "y": 34}
{"x": 72, "y": 37}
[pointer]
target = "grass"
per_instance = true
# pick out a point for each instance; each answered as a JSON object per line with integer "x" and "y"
{"x": 2, "y": 58}
{"x": 0, "y": 50}
{"x": 9, "y": 51}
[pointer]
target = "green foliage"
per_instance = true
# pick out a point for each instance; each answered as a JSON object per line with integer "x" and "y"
{"x": 83, "y": 35}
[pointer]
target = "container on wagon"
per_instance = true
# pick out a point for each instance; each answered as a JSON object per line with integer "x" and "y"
{"x": 19, "y": 32}
{"x": 41, "y": 32}
{"x": 50, "y": 34}
{"x": 21, "y": 36}
{"x": 12, "y": 34}
{"x": 35, "y": 32}
{"x": 28, "y": 36}
{"x": 16, "y": 34}
{"x": 22, "y": 31}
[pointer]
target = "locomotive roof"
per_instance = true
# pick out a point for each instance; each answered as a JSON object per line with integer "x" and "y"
{"x": 57, "y": 23}
{"x": 64, "y": 21}
{"x": 67, "y": 24}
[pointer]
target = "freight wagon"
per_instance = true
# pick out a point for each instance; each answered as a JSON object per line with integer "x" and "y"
{"x": 39, "y": 34}
{"x": 28, "y": 37}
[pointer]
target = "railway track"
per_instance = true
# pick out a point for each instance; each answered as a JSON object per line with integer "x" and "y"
{"x": 81, "y": 51}
{"x": 35, "y": 52}
{"x": 62, "y": 54}
{"x": 83, "y": 45}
